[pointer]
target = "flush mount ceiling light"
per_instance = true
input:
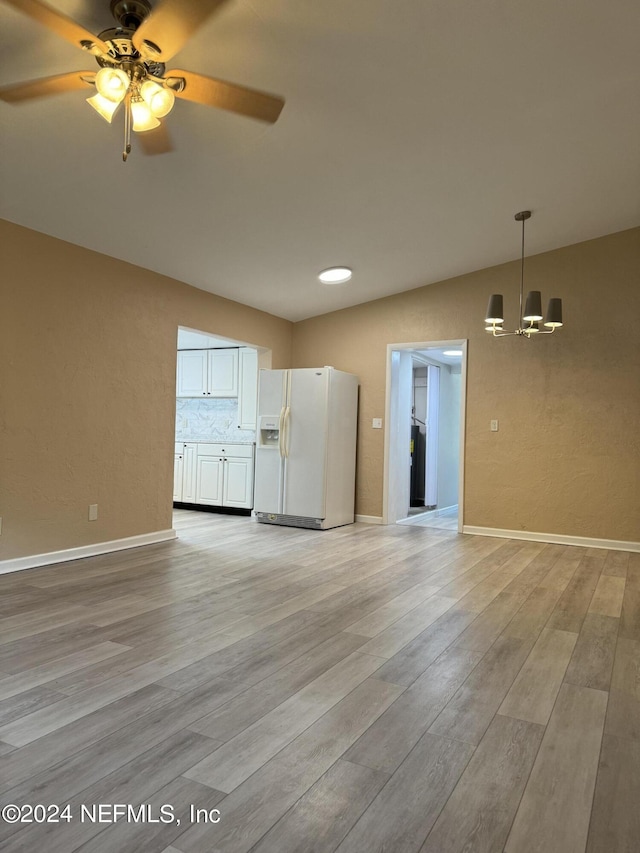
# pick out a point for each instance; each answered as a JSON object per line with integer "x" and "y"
{"x": 132, "y": 60}
{"x": 452, "y": 352}
{"x": 529, "y": 319}
{"x": 335, "y": 275}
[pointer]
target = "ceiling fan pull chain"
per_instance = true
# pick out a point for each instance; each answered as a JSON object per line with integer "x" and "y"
{"x": 127, "y": 128}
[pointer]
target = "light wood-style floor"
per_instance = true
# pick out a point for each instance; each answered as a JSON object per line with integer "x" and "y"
{"x": 397, "y": 689}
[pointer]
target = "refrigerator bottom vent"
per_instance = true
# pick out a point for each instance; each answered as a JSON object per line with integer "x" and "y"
{"x": 290, "y": 520}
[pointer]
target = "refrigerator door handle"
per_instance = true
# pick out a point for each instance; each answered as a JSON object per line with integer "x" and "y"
{"x": 287, "y": 442}
{"x": 281, "y": 432}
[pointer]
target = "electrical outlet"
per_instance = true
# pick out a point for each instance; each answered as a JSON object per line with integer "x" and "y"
{"x": 93, "y": 512}
{"x": 377, "y": 423}
{"x": 494, "y": 426}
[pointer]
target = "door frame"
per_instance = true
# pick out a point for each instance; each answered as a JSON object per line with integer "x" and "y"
{"x": 423, "y": 345}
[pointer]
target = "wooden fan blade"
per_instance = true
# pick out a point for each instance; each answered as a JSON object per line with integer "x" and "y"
{"x": 169, "y": 25}
{"x": 227, "y": 96}
{"x": 45, "y": 86}
{"x": 156, "y": 141}
{"x": 61, "y": 25}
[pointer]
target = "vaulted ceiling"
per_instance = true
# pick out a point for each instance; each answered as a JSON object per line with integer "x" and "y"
{"x": 413, "y": 130}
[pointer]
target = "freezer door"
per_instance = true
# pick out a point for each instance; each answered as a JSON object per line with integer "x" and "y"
{"x": 305, "y": 443}
{"x": 268, "y": 490}
{"x": 272, "y": 386}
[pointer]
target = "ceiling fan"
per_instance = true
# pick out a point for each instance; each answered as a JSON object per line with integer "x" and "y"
{"x": 132, "y": 57}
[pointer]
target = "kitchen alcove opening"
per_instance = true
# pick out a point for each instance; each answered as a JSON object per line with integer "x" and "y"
{"x": 215, "y": 421}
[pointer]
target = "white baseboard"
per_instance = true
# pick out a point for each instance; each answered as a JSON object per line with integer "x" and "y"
{"x": 369, "y": 519}
{"x": 32, "y": 562}
{"x": 554, "y": 538}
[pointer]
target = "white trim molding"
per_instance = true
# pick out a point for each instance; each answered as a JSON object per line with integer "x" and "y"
{"x": 554, "y": 538}
{"x": 369, "y": 519}
{"x": 35, "y": 560}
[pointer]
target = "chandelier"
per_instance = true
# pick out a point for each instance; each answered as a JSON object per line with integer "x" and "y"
{"x": 529, "y": 319}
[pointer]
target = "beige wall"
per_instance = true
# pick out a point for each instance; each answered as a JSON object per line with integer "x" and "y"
{"x": 87, "y": 393}
{"x": 87, "y": 389}
{"x": 566, "y": 459}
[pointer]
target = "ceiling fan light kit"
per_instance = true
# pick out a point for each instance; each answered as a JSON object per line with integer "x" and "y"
{"x": 103, "y": 106}
{"x": 529, "y": 318}
{"x": 132, "y": 58}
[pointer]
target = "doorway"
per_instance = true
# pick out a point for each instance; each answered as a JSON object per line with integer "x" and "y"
{"x": 424, "y": 440}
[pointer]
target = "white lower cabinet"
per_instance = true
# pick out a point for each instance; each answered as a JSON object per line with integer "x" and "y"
{"x": 189, "y": 473}
{"x": 225, "y": 475}
{"x": 237, "y": 487}
{"x": 178, "y": 465}
{"x": 184, "y": 472}
{"x": 209, "y": 479}
{"x": 214, "y": 474}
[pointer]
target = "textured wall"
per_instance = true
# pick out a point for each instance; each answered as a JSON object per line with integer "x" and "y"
{"x": 87, "y": 389}
{"x": 567, "y": 457}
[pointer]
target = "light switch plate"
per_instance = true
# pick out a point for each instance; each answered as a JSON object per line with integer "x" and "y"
{"x": 377, "y": 423}
{"x": 93, "y": 512}
{"x": 494, "y": 426}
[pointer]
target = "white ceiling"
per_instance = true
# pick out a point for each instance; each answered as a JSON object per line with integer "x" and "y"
{"x": 413, "y": 131}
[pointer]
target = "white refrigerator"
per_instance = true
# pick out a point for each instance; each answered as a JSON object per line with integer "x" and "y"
{"x": 306, "y": 447}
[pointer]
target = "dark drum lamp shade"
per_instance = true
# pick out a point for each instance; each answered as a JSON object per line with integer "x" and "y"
{"x": 554, "y": 313}
{"x": 533, "y": 307}
{"x": 531, "y": 316}
{"x": 495, "y": 311}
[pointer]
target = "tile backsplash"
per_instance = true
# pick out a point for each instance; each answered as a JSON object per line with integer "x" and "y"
{"x": 209, "y": 420}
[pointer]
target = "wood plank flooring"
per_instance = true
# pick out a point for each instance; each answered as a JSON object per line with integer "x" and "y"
{"x": 367, "y": 689}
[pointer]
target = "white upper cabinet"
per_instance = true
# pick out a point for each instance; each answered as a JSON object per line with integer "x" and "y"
{"x": 207, "y": 373}
{"x": 192, "y": 373}
{"x": 223, "y": 373}
{"x": 248, "y": 389}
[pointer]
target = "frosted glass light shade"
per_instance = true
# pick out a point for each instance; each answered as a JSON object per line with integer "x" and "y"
{"x": 112, "y": 83}
{"x": 159, "y": 100}
{"x": 495, "y": 310}
{"x": 533, "y": 307}
{"x": 554, "y": 314}
{"x": 335, "y": 275}
{"x": 143, "y": 118}
{"x": 103, "y": 106}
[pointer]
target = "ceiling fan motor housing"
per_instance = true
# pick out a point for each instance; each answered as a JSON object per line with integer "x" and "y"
{"x": 130, "y": 13}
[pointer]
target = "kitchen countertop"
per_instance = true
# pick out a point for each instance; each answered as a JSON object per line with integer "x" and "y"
{"x": 229, "y": 441}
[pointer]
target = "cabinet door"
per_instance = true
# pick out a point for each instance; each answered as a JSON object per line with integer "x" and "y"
{"x": 209, "y": 480}
{"x": 177, "y": 476}
{"x": 192, "y": 373}
{"x": 223, "y": 373}
{"x": 247, "y": 389}
{"x": 189, "y": 473}
{"x": 238, "y": 482}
